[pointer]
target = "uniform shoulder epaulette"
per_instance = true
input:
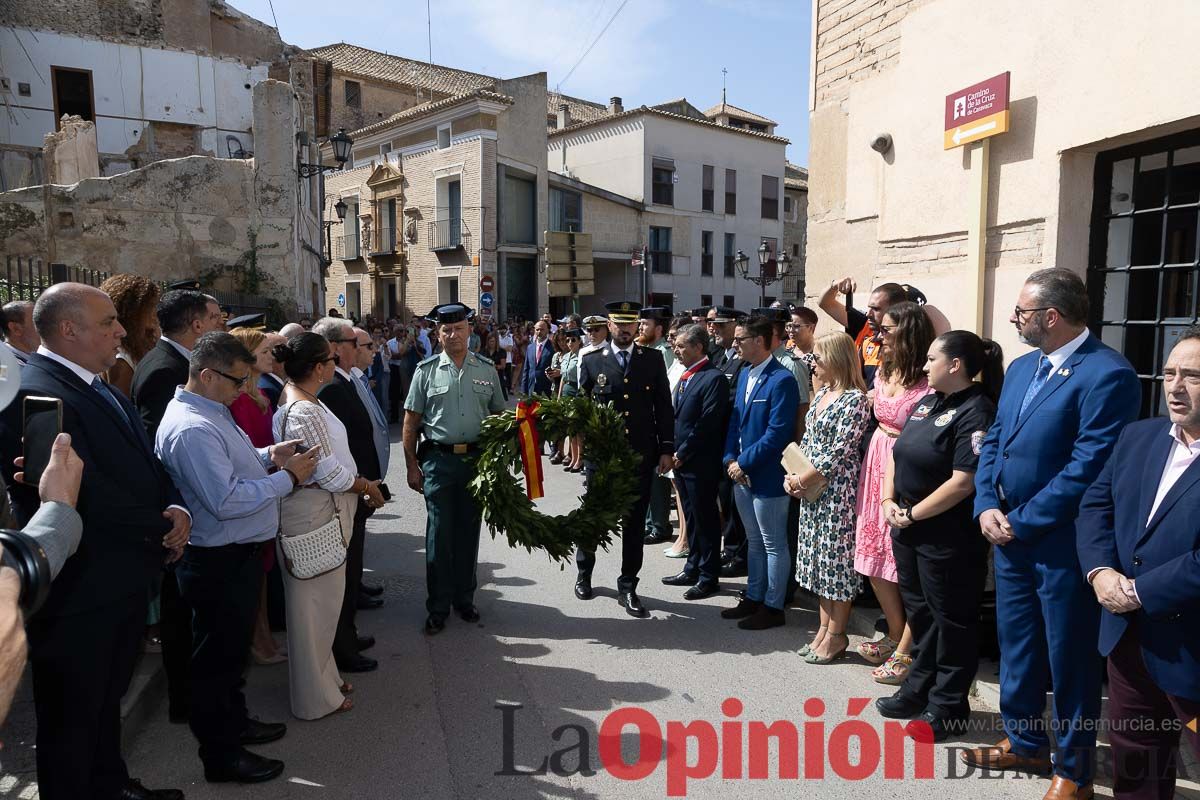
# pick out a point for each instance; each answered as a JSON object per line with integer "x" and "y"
{"x": 485, "y": 359}
{"x": 428, "y": 360}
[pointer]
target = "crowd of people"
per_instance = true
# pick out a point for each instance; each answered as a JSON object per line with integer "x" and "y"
{"x": 222, "y": 461}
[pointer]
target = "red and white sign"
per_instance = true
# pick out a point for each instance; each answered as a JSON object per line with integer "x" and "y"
{"x": 487, "y": 283}
{"x": 977, "y": 112}
{"x": 636, "y": 259}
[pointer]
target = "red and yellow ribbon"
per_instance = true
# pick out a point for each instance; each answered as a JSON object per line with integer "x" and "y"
{"x": 531, "y": 447}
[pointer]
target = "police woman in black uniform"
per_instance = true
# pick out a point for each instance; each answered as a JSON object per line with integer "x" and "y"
{"x": 941, "y": 557}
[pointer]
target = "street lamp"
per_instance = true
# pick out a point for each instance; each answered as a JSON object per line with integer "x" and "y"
{"x": 341, "y": 154}
{"x": 339, "y": 208}
{"x": 765, "y": 277}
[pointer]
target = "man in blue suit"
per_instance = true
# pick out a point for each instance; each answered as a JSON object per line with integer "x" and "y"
{"x": 763, "y": 423}
{"x": 538, "y": 356}
{"x": 1139, "y": 547}
{"x": 1060, "y": 413}
{"x": 701, "y": 409}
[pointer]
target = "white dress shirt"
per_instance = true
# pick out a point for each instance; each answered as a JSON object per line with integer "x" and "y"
{"x": 1062, "y": 354}
{"x": 1181, "y": 457}
{"x": 183, "y": 351}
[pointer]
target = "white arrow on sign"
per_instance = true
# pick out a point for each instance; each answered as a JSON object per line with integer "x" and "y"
{"x": 961, "y": 134}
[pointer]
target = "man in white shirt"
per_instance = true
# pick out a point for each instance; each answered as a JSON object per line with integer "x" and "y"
{"x": 1137, "y": 543}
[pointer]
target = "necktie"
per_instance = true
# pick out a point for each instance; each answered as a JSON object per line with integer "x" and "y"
{"x": 538, "y": 354}
{"x": 623, "y": 358}
{"x": 1035, "y": 385}
{"x": 102, "y": 389}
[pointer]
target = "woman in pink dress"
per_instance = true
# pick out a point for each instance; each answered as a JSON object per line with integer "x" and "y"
{"x": 900, "y": 383}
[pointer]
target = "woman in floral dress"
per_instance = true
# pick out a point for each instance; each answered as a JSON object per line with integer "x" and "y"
{"x": 825, "y": 552}
{"x": 900, "y": 383}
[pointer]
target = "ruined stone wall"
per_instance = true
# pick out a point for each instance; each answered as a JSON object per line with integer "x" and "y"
{"x": 219, "y": 220}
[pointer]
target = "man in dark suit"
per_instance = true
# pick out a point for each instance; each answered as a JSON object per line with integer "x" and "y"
{"x": 346, "y": 404}
{"x": 16, "y": 327}
{"x": 721, "y": 324}
{"x": 1059, "y": 416}
{"x": 84, "y": 641}
{"x": 701, "y": 412}
{"x": 633, "y": 379}
{"x": 1139, "y": 547}
{"x": 538, "y": 356}
{"x": 184, "y": 315}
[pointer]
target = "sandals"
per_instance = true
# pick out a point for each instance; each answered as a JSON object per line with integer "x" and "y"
{"x": 813, "y": 658}
{"x": 878, "y": 651}
{"x": 346, "y": 688}
{"x": 807, "y": 648}
{"x": 346, "y": 705}
{"x": 893, "y": 672}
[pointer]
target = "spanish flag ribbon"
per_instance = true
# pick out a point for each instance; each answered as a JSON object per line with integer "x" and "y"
{"x": 531, "y": 447}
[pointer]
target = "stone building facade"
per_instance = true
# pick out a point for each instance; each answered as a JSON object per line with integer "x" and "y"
{"x": 1099, "y": 171}
{"x": 471, "y": 175}
{"x": 795, "y": 227}
{"x": 236, "y": 224}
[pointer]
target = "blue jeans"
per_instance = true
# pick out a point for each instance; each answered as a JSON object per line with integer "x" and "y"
{"x": 767, "y": 561}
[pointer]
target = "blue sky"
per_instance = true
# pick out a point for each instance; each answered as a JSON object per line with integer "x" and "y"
{"x": 654, "y": 50}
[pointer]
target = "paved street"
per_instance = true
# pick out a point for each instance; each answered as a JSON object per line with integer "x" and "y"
{"x": 425, "y": 725}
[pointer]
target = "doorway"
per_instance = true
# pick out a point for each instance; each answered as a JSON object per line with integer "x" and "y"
{"x": 520, "y": 287}
{"x": 72, "y": 94}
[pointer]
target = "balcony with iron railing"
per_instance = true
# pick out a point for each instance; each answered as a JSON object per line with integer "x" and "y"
{"x": 386, "y": 242}
{"x": 449, "y": 234}
{"x": 346, "y": 247}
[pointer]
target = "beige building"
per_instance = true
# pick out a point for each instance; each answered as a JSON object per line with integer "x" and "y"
{"x": 439, "y": 194}
{"x": 1099, "y": 172}
{"x": 795, "y": 227}
{"x": 706, "y": 189}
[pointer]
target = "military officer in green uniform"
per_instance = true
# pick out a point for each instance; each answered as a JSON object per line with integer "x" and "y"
{"x": 450, "y": 396}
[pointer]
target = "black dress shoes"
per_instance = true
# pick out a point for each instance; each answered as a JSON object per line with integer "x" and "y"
{"x": 372, "y": 589}
{"x": 633, "y": 604}
{"x": 944, "y": 727}
{"x": 764, "y": 617}
{"x": 743, "y": 609}
{"x": 734, "y": 568}
{"x": 899, "y": 706}
{"x": 434, "y": 625}
{"x": 135, "y": 791}
{"x": 583, "y": 588}
{"x": 683, "y": 578}
{"x": 259, "y": 732}
{"x": 659, "y": 538}
{"x": 701, "y": 591}
{"x": 365, "y": 642}
{"x": 367, "y": 603}
{"x": 468, "y": 613}
{"x": 357, "y": 663}
{"x": 245, "y": 767}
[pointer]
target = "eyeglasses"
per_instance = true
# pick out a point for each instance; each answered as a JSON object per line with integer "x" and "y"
{"x": 795, "y": 326}
{"x": 885, "y": 328}
{"x": 344, "y": 341}
{"x": 816, "y": 357}
{"x": 238, "y": 382}
{"x": 1018, "y": 312}
{"x": 743, "y": 338}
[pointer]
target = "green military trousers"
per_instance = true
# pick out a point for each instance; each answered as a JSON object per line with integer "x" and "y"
{"x": 451, "y": 532}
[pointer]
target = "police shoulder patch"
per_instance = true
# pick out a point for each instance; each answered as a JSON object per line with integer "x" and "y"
{"x": 977, "y": 441}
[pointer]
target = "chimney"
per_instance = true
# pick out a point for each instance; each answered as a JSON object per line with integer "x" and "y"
{"x": 564, "y": 115}
{"x": 614, "y": 105}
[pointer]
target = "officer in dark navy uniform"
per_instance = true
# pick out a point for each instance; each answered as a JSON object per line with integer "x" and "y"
{"x": 633, "y": 379}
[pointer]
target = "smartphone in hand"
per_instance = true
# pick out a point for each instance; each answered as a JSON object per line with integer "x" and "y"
{"x": 41, "y": 424}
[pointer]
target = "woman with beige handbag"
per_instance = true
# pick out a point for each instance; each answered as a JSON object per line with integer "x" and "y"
{"x": 315, "y": 525}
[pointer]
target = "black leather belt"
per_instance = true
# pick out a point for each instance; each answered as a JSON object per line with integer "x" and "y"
{"x": 452, "y": 449}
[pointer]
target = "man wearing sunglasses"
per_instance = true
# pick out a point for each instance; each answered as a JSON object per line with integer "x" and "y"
{"x": 232, "y": 490}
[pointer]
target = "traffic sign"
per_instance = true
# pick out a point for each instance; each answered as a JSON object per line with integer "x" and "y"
{"x": 341, "y": 301}
{"x": 568, "y": 288}
{"x": 581, "y": 253}
{"x": 566, "y": 272}
{"x": 977, "y": 112}
{"x": 487, "y": 283}
{"x": 636, "y": 259}
{"x": 487, "y": 300}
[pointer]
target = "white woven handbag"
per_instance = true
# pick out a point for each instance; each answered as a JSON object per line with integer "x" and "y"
{"x": 315, "y": 553}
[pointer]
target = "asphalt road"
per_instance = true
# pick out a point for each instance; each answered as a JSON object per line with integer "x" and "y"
{"x": 427, "y": 723}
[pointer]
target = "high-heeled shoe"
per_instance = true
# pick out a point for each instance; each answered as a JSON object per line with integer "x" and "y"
{"x": 556, "y": 458}
{"x": 813, "y": 658}
{"x": 806, "y": 649}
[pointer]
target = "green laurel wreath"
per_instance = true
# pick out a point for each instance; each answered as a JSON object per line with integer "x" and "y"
{"x": 611, "y": 486}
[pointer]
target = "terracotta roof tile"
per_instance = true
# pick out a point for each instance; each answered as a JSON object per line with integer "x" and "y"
{"x": 740, "y": 113}
{"x": 659, "y": 112}
{"x": 373, "y": 65}
{"x": 426, "y": 108}
{"x": 579, "y": 109}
